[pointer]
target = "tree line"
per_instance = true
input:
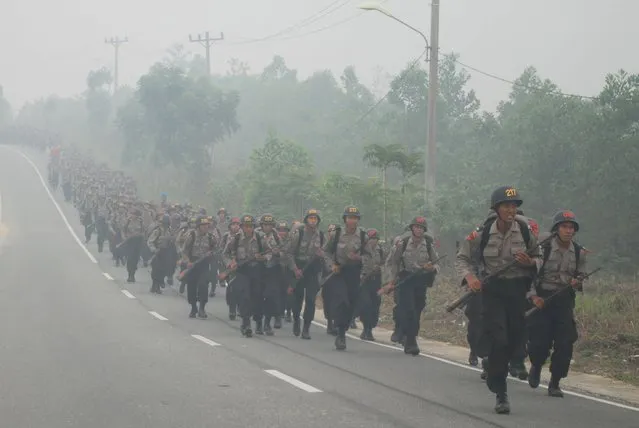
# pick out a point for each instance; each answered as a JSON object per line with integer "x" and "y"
{"x": 271, "y": 141}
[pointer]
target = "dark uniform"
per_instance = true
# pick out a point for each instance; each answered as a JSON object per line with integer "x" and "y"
{"x": 305, "y": 258}
{"x": 553, "y": 327}
{"x": 198, "y": 249}
{"x": 509, "y": 260}
{"x": 410, "y": 266}
{"x": 343, "y": 252}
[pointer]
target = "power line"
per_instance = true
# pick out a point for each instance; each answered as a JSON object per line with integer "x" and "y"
{"x": 328, "y": 10}
{"x": 206, "y": 41}
{"x": 116, "y": 42}
{"x": 519, "y": 85}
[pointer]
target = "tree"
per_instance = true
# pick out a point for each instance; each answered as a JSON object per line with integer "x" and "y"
{"x": 280, "y": 178}
{"x": 384, "y": 157}
{"x": 5, "y": 109}
{"x": 98, "y": 99}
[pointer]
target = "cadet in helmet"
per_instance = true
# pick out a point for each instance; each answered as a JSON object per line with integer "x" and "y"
{"x": 198, "y": 249}
{"x": 272, "y": 276}
{"x": 285, "y": 301}
{"x": 504, "y": 243}
{"x": 371, "y": 281}
{"x": 222, "y": 217}
{"x": 185, "y": 228}
{"x": 305, "y": 259}
{"x": 231, "y": 296}
{"x": 343, "y": 252}
{"x": 133, "y": 236}
{"x": 159, "y": 243}
{"x": 553, "y": 327}
{"x": 245, "y": 255}
{"x": 411, "y": 263}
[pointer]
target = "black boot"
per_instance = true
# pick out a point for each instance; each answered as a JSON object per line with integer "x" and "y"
{"x": 169, "y": 280}
{"x": 367, "y": 334}
{"x": 396, "y": 336}
{"x": 246, "y": 327}
{"x": 202, "y": 312}
{"x": 472, "y": 359}
{"x": 340, "y": 340}
{"x": 502, "y": 406}
{"x": 258, "y": 327}
{"x": 353, "y": 324}
{"x": 484, "y": 369}
{"x": 553, "y": 388}
{"x": 131, "y": 278}
{"x": 232, "y": 314}
{"x": 193, "y": 313}
{"x": 411, "y": 347}
{"x": 182, "y": 286}
{"x": 267, "y": 327}
{"x": 278, "y": 322}
{"x": 288, "y": 317}
{"x": 296, "y": 326}
{"x": 330, "y": 328}
{"x": 305, "y": 334}
{"x": 534, "y": 376}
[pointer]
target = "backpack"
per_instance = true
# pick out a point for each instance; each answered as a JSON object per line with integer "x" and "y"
{"x": 485, "y": 234}
{"x": 257, "y": 237}
{"x": 338, "y": 231}
{"x": 547, "y": 248}
{"x": 189, "y": 251}
{"x": 299, "y": 240}
{"x": 405, "y": 244}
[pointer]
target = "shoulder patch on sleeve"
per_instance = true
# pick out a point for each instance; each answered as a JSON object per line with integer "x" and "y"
{"x": 474, "y": 234}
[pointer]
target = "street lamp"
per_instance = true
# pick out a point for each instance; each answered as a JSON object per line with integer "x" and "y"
{"x": 432, "y": 48}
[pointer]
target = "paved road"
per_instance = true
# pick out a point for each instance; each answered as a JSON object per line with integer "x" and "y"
{"x": 79, "y": 347}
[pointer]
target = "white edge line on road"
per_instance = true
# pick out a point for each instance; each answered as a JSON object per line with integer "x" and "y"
{"x": 205, "y": 340}
{"x": 158, "y": 316}
{"x": 454, "y": 363}
{"x": 64, "y": 218}
{"x": 296, "y": 383}
{"x": 128, "y": 294}
{"x": 107, "y": 276}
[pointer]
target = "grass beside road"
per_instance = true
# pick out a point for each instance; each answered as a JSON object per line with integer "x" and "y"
{"x": 607, "y": 317}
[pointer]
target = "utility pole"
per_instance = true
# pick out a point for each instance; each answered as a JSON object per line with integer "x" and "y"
{"x": 116, "y": 42}
{"x": 433, "y": 91}
{"x": 207, "y": 42}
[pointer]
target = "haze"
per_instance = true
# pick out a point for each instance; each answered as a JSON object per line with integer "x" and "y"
{"x": 48, "y": 47}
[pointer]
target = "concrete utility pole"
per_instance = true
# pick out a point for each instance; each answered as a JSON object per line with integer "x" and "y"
{"x": 433, "y": 91}
{"x": 116, "y": 42}
{"x": 207, "y": 42}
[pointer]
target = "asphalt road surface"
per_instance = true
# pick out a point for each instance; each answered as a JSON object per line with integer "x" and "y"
{"x": 79, "y": 347}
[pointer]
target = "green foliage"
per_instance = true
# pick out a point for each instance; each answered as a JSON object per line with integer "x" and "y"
{"x": 331, "y": 143}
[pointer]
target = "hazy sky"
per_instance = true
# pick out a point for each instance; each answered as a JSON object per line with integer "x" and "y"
{"x": 49, "y": 46}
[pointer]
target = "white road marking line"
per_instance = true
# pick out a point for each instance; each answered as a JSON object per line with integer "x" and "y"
{"x": 158, "y": 316}
{"x": 296, "y": 383}
{"x": 64, "y": 218}
{"x": 107, "y": 276}
{"x": 205, "y": 340}
{"x": 467, "y": 367}
{"x": 127, "y": 294}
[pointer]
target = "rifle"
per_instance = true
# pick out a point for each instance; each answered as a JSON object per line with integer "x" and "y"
{"x": 223, "y": 275}
{"x": 463, "y": 300}
{"x": 182, "y": 276}
{"x": 386, "y": 289}
{"x": 554, "y": 295}
{"x": 308, "y": 264}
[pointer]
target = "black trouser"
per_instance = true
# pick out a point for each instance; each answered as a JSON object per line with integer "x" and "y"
{"x": 271, "y": 280}
{"x": 102, "y": 229}
{"x": 247, "y": 288}
{"x": 411, "y": 301}
{"x": 553, "y": 327}
{"x": 197, "y": 284}
{"x": 306, "y": 291}
{"x": 326, "y": 298}
{"x": 285, "y": 301}
{"x": 231, "y": 296}
{"x": 503, "y": 306}
{"x": 159, "y": 266}
{"x": 475, "y": 326}
{"x": 133, "y": 248}
{"x": 344, "y": 289}
{"x": 369, "y": 302}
